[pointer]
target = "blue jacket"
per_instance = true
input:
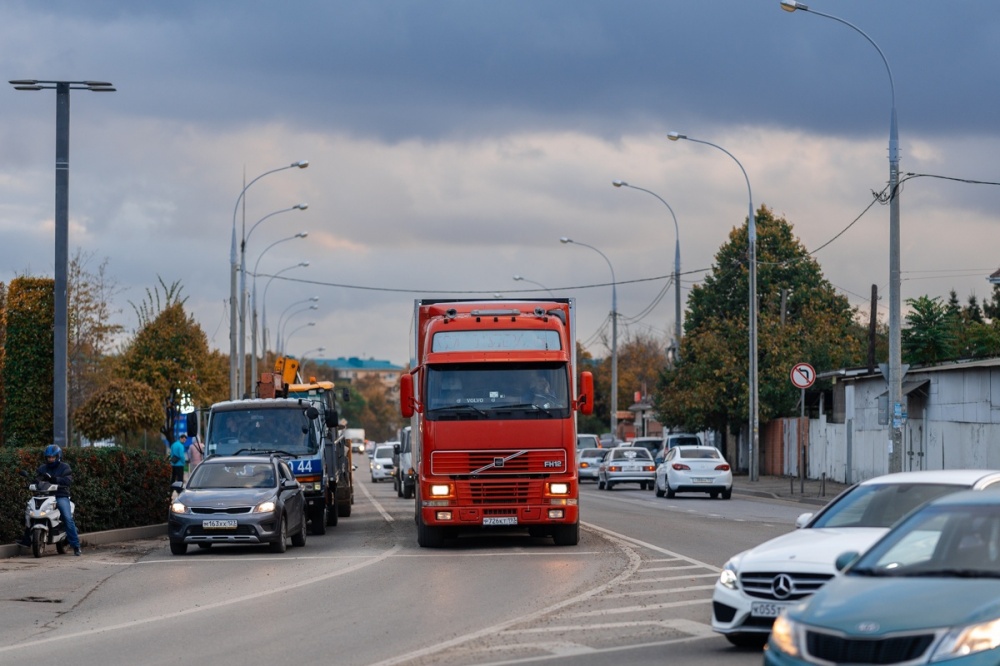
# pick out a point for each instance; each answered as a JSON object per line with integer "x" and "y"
{"x": 61, "y": 472}
{"x": 177, "y": 454}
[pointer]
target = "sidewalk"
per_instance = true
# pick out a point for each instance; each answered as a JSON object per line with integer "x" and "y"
{"x": 809, "y": 491}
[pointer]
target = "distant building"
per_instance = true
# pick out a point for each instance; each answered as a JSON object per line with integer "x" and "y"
{"x": 348, "y": 370}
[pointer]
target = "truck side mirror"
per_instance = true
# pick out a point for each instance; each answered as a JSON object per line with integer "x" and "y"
{"x": 585, "y": 401}
{"x": 406, "y": 395}
{"x": 312, "y": 413}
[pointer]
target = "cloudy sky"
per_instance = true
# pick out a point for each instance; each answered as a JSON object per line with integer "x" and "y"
{"x": 452, "y": 142}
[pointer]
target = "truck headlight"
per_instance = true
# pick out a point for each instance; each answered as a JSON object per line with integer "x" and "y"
{"x": 441, "y": 490}
{"x": 559, "y": 488}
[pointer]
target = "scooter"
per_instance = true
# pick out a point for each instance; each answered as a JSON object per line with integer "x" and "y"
{"x": 42, "y": 517}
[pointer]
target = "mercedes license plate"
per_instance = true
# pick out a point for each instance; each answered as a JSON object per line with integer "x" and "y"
{"x": 500, "y": 520}
{"x": 766, "y": 609}
{"x": 219, "y": 524}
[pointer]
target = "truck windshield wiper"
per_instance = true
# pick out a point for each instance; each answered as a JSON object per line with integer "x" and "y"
{"x": 459, "y": 408}
{"x": 265, "y": 451}
{"x": 522, "y": 405}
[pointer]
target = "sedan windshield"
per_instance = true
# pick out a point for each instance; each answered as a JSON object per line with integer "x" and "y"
{"x": 213, "y": 476}
{"x": 879, "y": 505}
{"x": 949, "y": 541}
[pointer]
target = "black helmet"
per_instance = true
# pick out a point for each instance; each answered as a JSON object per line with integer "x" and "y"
{"x": 53, "y": 450}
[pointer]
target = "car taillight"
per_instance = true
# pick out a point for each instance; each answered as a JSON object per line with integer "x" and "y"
{"x": 614, "y": 468}
{"x": 680, "y": 466}
{"x": 722, "y": 468}
{"x": 649, "y": 468}
{"x": 583, "y": 464}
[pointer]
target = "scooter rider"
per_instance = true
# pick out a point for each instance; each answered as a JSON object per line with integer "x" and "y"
{"x": 54, "y": 470}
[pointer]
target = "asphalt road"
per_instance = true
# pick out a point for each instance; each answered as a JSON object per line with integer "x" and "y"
{"x": 635, "y": 591}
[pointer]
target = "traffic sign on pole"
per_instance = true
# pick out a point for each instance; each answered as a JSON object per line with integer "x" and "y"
{"x": 803, "y": 375}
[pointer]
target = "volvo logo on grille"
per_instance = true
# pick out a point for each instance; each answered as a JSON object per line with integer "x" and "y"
{"x": 498, "y": 462}
{"x": 782, "y": 586}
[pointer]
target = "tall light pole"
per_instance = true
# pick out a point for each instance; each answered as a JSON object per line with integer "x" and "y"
{"x": 895, "y": 379}
{"x": 677, "y": 265}
{"x": 253, "y": 305}
{"x": 263, "y": 303}
{"x": 614, "y": 334}
{"x": 521, "y": 278}
{"x": 236, "y": 379}
{"x": 754, "y": 406}
{"x": 281, "y": 327}
{"x": 302, "y": 356}
{"x": 60, "y": 335}
{"x": 296, "y": 330}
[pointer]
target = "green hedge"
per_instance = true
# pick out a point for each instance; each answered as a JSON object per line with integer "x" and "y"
{"x": 113, "y": 488}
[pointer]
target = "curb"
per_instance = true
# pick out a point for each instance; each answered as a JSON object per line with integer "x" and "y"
{"x": 99, "y": 538}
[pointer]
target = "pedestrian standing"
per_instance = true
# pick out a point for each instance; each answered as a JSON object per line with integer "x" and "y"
{"x": 178, "y": 456}
{"x": 196, "y": 452}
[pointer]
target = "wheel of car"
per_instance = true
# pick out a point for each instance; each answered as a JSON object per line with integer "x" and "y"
{"x": 659, "y": 491}
{"x": 755, "y": 641}
{"x": 178, "y": 547}
{"x": 280, "y": 545}
{"x": 726, "y": 494}
{"x": 317, "y": 518}
{"x": 609, "y": 485}
{"x": 299, "y": 538}
{"x": 714, "y": 494}
{"x": 670, "y": 491}
{"x": 374, "y": 480}
{"x": 600, "y": 485}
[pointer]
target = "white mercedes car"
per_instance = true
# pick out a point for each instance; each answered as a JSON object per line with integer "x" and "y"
{"x": 758, "y": 583}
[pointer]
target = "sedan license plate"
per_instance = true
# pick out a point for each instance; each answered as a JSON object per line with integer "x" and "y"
{"x": 501, "y": 520}
{"x": 766, "y": 609}
{"x": 701, "y": 479}
{"x": 219, "y": 524}
{"x": 631, "y": 468}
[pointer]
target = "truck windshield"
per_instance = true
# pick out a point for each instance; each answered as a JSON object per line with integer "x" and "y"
{"x": 286, "y": 430}
{"x": 471, "y": 391}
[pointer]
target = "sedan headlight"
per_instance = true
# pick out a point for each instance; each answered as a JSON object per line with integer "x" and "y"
{"x": 264, "y": 507}
{"x": 728, "y": 578}
{"x": 968, "y": 640}
{"x": 177, "y": 507}
{"x": 784, "y": 635}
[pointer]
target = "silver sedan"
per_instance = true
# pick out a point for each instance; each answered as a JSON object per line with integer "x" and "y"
{"x": 587, "y": 462}
{"x": 626, "y": 464}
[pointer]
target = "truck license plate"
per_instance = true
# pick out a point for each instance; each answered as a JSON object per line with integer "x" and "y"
{"x": 766, "y": 609}
{"x": 219, "y": 524}
{"x": 501, "y": 520}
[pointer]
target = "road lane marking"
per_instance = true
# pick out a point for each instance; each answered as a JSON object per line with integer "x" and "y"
{"x": 385, "y": 514}
{"x": 198, "y": 609}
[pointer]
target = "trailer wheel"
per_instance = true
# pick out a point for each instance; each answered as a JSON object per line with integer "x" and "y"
{"x": 332, "y": 511}
{"x": 344, "y": 508}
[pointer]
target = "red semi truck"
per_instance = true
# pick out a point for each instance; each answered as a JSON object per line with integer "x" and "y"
{"x": 492, "y": 399}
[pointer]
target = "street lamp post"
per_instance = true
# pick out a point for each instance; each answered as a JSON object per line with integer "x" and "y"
{"x": 263, "y": 301}
{"x": 296, "y": 330}
{"x": 614, "y": 334}
{"x": 302, "y": 357}
{"x": 677, "y": 265}
{"x": 281, "y": 327}
{"x": 895, "y": 379}
{"x": 754, "y": 406}
{"x": 236, "y": 379}
{"x": 521, "y": 278}
{"x": 253, "y": 305}
{"x": 60, "y": 336}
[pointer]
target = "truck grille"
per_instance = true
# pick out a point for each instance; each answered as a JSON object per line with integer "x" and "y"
{"x": 499, "y": 492}
{"x": 499, "y": 462}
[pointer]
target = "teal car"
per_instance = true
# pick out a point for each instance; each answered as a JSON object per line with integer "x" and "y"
{"x": 927, "y": 592}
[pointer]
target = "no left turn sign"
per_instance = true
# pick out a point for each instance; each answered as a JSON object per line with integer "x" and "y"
{"x": 803, "y": 375}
